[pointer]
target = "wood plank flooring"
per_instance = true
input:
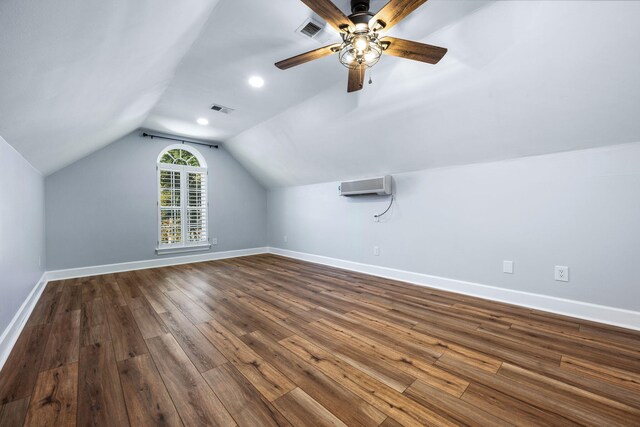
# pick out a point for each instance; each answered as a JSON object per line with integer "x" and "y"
{"x": 270, "y": 341}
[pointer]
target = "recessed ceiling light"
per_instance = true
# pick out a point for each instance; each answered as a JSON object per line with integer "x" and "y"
{"x": 202, "y": 121}
{"x": 256, "y": 81}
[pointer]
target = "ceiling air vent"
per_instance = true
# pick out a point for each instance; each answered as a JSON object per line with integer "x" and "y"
{"x": 221, "y": 108}
{"x": 310, "y": 28}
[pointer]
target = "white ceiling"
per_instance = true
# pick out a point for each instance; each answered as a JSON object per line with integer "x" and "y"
{"x": 245, "y": 38}
{"x": 520, "y": 78}
{"x": 77, "y": 74}
{"x": 241, "y": 39}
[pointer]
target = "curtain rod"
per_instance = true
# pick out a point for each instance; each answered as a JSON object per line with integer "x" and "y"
{"x": 149, "y": 135}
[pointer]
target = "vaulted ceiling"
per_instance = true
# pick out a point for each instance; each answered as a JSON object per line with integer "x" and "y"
{"x": 245, "y": 38}
{"x": 520, "y": 78}
{"x": 75, "y": 75}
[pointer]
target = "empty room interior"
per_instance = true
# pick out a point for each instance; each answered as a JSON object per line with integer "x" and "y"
{"x": 319, "y": 213}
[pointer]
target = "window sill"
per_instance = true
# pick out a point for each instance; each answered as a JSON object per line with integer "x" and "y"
{"x": 181, "y": 249}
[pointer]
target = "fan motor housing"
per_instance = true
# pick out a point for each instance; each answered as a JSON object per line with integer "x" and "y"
{"x": 360, "y": 12}
{"x": 359, "y": 6}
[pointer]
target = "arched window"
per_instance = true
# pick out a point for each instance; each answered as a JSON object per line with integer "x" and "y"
{"x": 182, "y": 199}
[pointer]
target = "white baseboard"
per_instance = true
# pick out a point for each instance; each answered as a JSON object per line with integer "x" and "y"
{"x": 151, "y": 263}
{"x": 12, "y": 331}
{"x": 582, "y": 310}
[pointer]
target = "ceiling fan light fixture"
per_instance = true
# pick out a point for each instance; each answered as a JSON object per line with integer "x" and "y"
{"x": 369, "y": 56}
{"x": 361, "y": 45}
{"x": 360, "y": 49}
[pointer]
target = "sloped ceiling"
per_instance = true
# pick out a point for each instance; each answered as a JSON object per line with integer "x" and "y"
{"x": 77, "y": 74}
{"x": 245, "y": 38}
{"x": 520, "y": 78}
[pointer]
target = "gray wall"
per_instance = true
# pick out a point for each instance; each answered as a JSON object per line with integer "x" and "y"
{"x": 102, "y": 209}
{"x": 580, "y": 209}
{"x": 21, "y": 231}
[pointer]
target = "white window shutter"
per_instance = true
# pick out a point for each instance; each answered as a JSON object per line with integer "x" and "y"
{"x": 196, "y": 207}
{"x": 170, "y": 208}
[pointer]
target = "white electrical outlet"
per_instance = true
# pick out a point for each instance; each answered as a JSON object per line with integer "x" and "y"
{"x": 507, "y": 267}
{"x": 376, "y": 250}
{"x": 286, "y": 239}
{"x": 214, "y": 241}
{"x": 562, "y": 273}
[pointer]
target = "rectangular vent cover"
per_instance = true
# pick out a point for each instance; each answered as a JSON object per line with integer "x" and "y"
{"x": 221, "y": 108}
{"x": 310, "y": 28}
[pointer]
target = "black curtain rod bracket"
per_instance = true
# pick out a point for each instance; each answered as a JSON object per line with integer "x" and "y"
{"x": 189, "y": 141}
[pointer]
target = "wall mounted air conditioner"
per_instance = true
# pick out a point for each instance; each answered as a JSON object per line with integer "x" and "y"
{"x": 380, "y": 186}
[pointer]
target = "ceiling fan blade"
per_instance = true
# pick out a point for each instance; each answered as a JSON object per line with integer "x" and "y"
{"x": 395, "y": 11}
{"x": 356, "y": 79}
{"x": 414, "y": 50}
{"x": 306, "y": 57}
{"x": 329, "y": 12}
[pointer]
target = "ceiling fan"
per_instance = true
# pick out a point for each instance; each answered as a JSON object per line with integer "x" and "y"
{"x": 362, "y": 44}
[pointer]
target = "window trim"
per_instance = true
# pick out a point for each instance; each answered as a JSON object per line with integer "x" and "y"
{"x": 192, "y": 150}
{"x": 184, "y": 245}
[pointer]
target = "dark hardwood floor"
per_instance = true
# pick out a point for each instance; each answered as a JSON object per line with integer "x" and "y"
{"x": 266, "y": 341}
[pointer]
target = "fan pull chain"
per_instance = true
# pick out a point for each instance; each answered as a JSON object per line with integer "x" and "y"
{"x": 370, "y": 75}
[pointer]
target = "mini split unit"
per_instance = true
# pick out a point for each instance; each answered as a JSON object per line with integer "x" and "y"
{"x": 380, "y": 186}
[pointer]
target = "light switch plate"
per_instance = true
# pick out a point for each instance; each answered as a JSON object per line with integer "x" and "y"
{"x": 507, "y": 267}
